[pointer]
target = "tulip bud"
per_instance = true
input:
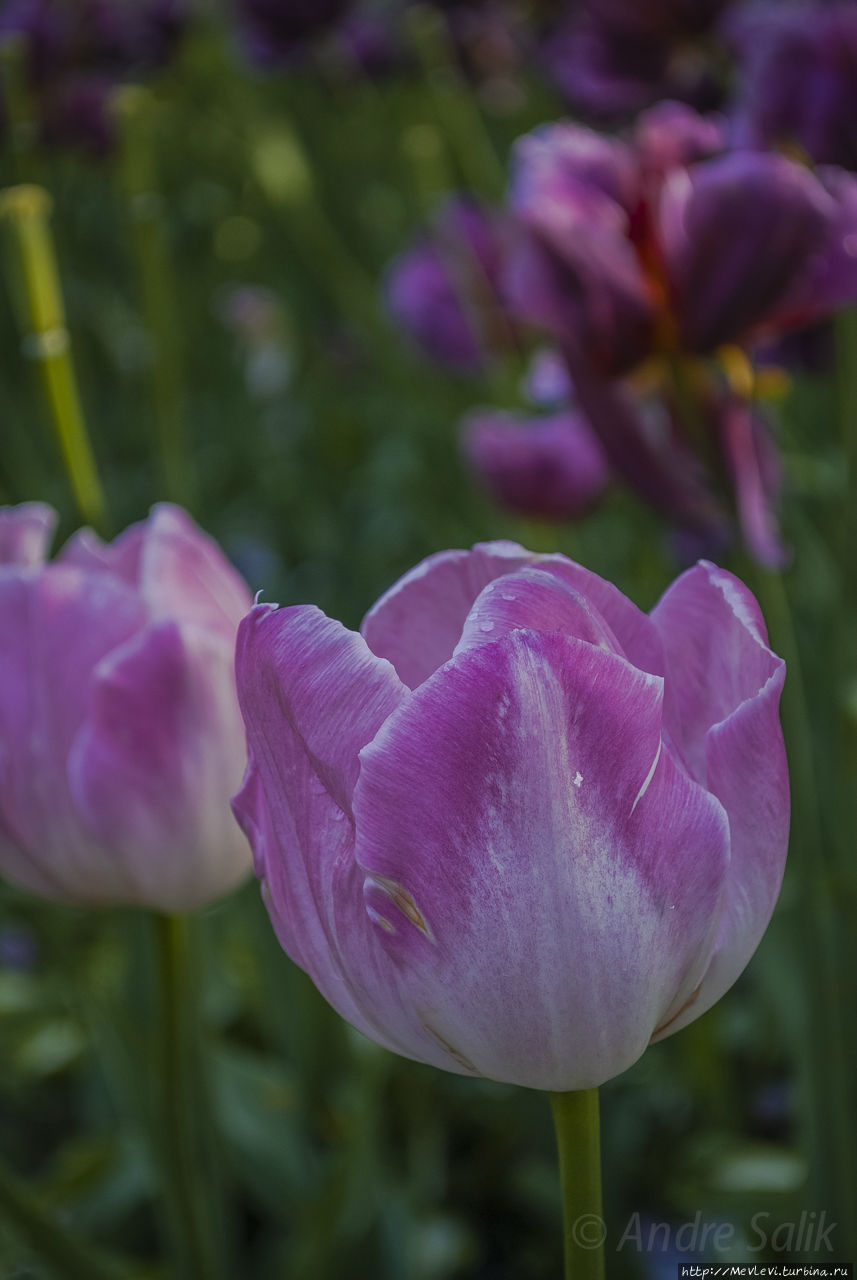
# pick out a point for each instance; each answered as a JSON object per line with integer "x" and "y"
{"x": 120, "y": 735}
{"x": 517, "y": 828}
{"x": 549, "y": 468}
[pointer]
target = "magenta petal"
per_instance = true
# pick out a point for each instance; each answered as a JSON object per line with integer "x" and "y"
{"x": 153, "y": 765}
{"x": 533, "y": 599}
{"x": 179, "y": 571}
{"x": 418, "y": 622}
{"x": 552, "y": 467}
{"x": 637, "y": 635}
{"x": 737, "y": 233}
{"x": 121, "y": 557}
{"x": 544, "y": 879}
{"x": 717, "y": 655}
{"x": 312, "y": 694}
{"x": 25, "y": 533}
{"x": 54, "y": 629}
{"x": 723, "y": 690}
{"x": 185, "y": 575}
{"x": 754, "y": 470}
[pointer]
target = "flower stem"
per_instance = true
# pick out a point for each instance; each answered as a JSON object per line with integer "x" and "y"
{"x": 27, "y": 210}
{"x": 193, "y": 1221}
{"x": 64, "y": 1253}
{"x": 575, "y": 1117}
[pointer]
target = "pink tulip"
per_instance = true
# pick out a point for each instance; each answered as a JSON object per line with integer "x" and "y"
{"x": 120, "y": 734}
{"x": 517, "y": 828}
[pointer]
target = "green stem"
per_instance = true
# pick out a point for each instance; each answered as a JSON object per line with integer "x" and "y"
{"x": 27, "y": 210}
{"x": 194, "y": 1222}
{"x": 133, "y": 108}
{"x": 575, "y": 1117}
{"x": 68, "y": 1257}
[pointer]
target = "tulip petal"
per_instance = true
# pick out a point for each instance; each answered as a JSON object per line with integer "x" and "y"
{"x": 155, "y": 761}
{"x": 536, "y": 600}
{"x": 418, "y": 622}
{"x": 717, "y": 655}
{"x": 54, "y": 627}
{"x": 723, "y": 691}
{"x": 179, "y": 570}
{"x": 725, "y": 284}
{"x": 312, "y": 694}
{"x": 25, "y": 533}
{"x": 544, "y": 878}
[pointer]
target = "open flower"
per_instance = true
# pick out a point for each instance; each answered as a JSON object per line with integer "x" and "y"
{"x": 655, "y": 262}
{"x": 120, "y": 734}
{"x": 517, "y": 828}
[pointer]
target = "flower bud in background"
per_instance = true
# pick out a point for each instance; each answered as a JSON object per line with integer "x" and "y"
{"x": 798, "y": 82}
{"x": 120, "y": 735}
{"x": 445, "y": 289}
{"x": 517, "y": 828}
{"x": 550, "y": 468}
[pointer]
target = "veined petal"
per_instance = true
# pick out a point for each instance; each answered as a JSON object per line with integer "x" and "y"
{"x": 154, "y": 763}
{"x": 543, "y": 877}
{"x": 418, "y": 622}
{"x": 535, "y": 600}
{"x": 56, "y": 624}
{"x": 723, "y": 689}
{"x": 737, "y": 233}
{"x": 180, "y": 571}
{"x": 312, "y": 694}
{"x": 717, "y": 655}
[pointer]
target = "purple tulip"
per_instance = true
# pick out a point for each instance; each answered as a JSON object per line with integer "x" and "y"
{"x": 120, "y": 734}
{"x": 517, "y": 828}
{"x": 624, "y": 256}
{"x": 550, "y": 468}
{"x": 640, "y": 255}
{"x": 445, "y": 289}
{"x": 798, "y": 86}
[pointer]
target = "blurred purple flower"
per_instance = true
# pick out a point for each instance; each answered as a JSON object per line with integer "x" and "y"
{"x": 517, "y": 828}
{"x": 612, "y": 60}
{"x": 798, "y": 83}
{"x": 120, "y": 735}
{"x": 445, "y": 289}
{"x": 640, "y": 254}
{"x": 549, "y": 468}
